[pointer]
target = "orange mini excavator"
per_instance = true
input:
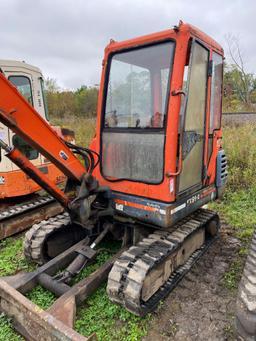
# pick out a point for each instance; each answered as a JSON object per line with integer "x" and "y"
{"x": 155, "y": 161}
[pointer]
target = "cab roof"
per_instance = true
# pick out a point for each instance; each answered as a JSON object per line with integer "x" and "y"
{"x": 176, "y": 32}
{"x": 21, "y": 65}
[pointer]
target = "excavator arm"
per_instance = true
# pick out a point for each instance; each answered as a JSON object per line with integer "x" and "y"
{"x": 18, "y": 115}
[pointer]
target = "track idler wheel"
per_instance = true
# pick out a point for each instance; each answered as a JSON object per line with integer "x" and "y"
{"x": 51, "y": 237}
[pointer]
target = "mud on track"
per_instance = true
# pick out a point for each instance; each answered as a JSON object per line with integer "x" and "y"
{"x": 200, "y": 308}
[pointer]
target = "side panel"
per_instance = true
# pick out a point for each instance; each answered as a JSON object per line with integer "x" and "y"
{"x": 161, "y": 214}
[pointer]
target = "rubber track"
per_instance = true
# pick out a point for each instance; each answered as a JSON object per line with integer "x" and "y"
{"x": 36, "y": 235}
{"x": 246, "y": 300}
{"x": 125, "y": 288}
{"x": 19, "y": 209}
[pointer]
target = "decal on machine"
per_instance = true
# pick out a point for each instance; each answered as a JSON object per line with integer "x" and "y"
{"x": 120, "y": 204}
{"x": 63, "y": 155}
{"x": 194, "y": 199}
{"x": 119, "y": 207}
{"x": 178, "y": 208}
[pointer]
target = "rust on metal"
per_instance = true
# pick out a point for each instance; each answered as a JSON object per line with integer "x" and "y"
{"x": 16, "y": 224}
{"x": 32, "y": 321}
{"x": 28, "y": 280}
{"x": 57, "y": 322}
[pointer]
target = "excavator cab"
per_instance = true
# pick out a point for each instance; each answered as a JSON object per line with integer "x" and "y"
{"x": 155, "y": 161}
{"x": 158, "y": 134}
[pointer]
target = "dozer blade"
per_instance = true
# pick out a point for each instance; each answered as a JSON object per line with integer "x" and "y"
{"x": 57, "y": 322}
{"x": 33, "y": 322}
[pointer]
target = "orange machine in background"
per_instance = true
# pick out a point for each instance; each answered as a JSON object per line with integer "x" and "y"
{"x": 14, "y": 182}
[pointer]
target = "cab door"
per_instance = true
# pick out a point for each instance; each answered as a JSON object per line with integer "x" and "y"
{"x": 193, "y": 141}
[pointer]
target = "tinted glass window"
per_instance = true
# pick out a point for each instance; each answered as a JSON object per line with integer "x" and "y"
{"x": 137, "y": 87}
{"x": 24, "y": 148}
{"x": 136, "y": 157}
{"x": 44, "y": 99}
{"x": 216, "y": 89}
{"x": 191, "y": 174}
{"x": 136, "y": 104}
{"x": 24, "y": 86}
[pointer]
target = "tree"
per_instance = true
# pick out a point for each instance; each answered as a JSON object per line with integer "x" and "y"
{"x": 51, "y": 85}
{"x": 236, "y": 79}
{"x": 67, "y": 103}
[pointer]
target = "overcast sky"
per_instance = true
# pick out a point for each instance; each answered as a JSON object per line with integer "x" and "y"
{"x": 66, "y": 39}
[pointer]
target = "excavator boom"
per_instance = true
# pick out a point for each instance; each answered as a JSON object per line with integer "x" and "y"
{"x": 18, "y": 115}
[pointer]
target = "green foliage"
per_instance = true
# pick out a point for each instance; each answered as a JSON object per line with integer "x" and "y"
{"x": 240, "y": 146}
{"x": 12, "y": 258}
{"x": 108, "y": 320}
{"x": 6, "y": 332}
{"x": 41, "y": 297}
{"x": 232, "y": 276}
{"x": 239, "y": 89}
{"x": 86, "y": 101}
{"x": 81, "y": 103}
{"x": 238, "y": 209}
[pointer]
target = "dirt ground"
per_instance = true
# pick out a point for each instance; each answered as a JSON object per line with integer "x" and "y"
{"x": 200, "y": 308}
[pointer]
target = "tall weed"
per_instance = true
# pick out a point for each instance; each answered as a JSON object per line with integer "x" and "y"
{"x": 240, "y": 146}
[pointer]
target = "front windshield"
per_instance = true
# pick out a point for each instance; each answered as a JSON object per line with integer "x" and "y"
{"x": 137, "y": 87}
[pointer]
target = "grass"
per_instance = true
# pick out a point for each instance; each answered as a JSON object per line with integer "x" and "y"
{"x": 238, "y": 204}
{"x": 6, "y": 331}
{"x": 12, "y": 258}
{"x": 110, "y": 321}
{"x": 84, "y": 128}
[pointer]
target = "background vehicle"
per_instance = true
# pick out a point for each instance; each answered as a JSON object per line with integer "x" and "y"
{"x": 13, "y": 182}
{"x": 15, "y": 186}
{"x": 155, "y": 161}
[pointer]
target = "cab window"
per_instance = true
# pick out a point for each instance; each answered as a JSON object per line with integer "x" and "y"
{"x": 24, "y": 148}
{"x": 23, "y": 85}
{"x": 216, "y": 86}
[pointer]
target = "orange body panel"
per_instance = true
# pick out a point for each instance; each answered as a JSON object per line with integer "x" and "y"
{"x": 16, "y": 183}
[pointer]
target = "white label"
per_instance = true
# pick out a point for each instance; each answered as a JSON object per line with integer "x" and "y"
{"x": 193, "y": 199}
{"x": 2, "y": 135}
{"x": 161, "y": 211}
{"x": 119, "y": 207}
{"x": 178, "y": 208}
{"x": 171, "y": 185}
